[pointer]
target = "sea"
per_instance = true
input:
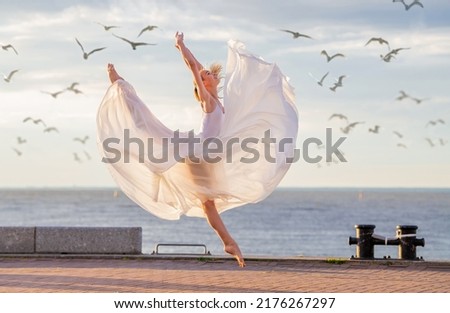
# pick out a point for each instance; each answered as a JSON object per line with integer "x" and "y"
{"x": 300, "y": 222}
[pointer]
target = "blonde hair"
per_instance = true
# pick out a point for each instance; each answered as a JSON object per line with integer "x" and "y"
{"x": 215, "y": 69}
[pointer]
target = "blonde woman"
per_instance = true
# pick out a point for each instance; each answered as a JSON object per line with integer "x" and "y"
{"x": 257, "y": 100}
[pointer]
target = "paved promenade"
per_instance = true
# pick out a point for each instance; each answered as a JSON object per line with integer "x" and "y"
{"x": 93, "y": 274}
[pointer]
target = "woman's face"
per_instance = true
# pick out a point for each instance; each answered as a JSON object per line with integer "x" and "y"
{"x": 209, "y": 79}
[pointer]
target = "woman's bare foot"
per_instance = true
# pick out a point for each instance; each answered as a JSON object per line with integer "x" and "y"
{"x": 112, "y": 73}
{"x": 234, "y": 250}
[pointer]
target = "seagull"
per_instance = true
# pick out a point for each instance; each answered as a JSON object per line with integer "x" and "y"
{"x": 107, "y": 27}
{"x": 430, "y": 142}
{"x": 20, "y": 140}
{"x": 390, "y": 54}
{"x": 295, "y": 35}
{"x": 10, "y": 75}
{"x": 148, "y": 28}
{"x": 338, "y": 83}
{"x": 401, "y": 145}
{"x": 9, "y": 46}
{"x": 375, "y": 129}
{"x": 53, "y": 94}
{"x": 86, "y": 55}
{"x": 82, "y": 140}
{"x": 73, "y": 89}
{"x": 435, "y": 122}
{"x": 18, "y": 152}
{"x": 349, "y": 127}
{"x": 403, "y": 95}
{"x": 329, "y": 58}
{"x": 49, "y": 129}
{"x": 379, "y": 40}
{"x": 76, "y": 157}
{"x": 134, "y": 45}
{"x": 340, "y": 116}
{"x": 35, "y": 121}
{"x": 387, "y": 58}
{"x": 320, "y": 82}
{"x": 442, "y": 142}
{"x": 88, "y": 156}
{"x": 398, "y": 134}
{"x": 408, "y": 6}
{"x": 419, "y": 101}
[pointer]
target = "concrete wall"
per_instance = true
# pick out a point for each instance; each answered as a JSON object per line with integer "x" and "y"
{"x": 71, "y": 240}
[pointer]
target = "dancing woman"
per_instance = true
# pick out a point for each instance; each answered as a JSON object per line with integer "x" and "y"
{"x": 257, "y": 100}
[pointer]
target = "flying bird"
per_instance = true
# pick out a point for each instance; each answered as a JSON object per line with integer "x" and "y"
{"x": 338, "y": 115}
{"x": 391, "y": 54}
{"x": 73, "y": 89}
{"x": 398, "y": 134}
{"x": 295, "y": 35}
{"x": 10, "y": 75}
{"x": 403, "y": 95}
{"x": 148, "y": 28}
{"x": 53, "y": 94}
{"x": 442, "y": 141}
{"x": 133, "y": 44}
{"x": 86, "y": 55}
{"x": 401, "y": 145}
{"x": 320, "y": 82}
{"x": 50, "y": 129}
{"x": 338, "y": 83}
{"x": 433, "y": 123}
{"x": 419, "y": 101}
{"x": 76, "y": 157}
{"x": 349, "y": 127}
{"x": 408, "y": 6}
{"x": 18, "y": 152}
{"x": 35, "y": 121}
{"x": 107, "y": 27}
{"x": 88, "y": 156}
{"x": 430, "y": 142}
{"x": 379, "y": 40}
{"x": 329, "y": 58}
{"x": 9, "y": 46}
{"x": 375, "y": 129}
{"x": 20, "y": 140}
{"x": 82, "y": 140}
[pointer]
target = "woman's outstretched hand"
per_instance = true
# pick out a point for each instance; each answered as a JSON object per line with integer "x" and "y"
{"x": 179, "y": 37}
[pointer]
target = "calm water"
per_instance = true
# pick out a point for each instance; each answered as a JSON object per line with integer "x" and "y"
{"x": 291, "y": 222}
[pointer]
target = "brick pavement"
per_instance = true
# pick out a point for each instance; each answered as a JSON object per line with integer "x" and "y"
{"x": 156, "y": 274}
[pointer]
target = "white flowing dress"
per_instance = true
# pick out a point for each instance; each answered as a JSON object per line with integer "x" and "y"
{"x": 240, "y": 167}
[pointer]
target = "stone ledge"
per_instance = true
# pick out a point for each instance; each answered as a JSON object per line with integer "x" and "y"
{"x": 71, "y": 240}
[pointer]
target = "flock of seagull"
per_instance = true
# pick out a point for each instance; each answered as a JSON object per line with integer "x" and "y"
{"x": 74, "y": 87}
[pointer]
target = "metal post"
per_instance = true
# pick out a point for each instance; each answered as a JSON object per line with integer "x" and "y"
{"x": 363, "y": 241}
{"x": 408, "y": 242}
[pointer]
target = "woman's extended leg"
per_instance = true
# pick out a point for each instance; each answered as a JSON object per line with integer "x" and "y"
{"x": 112, "y": 73}
{"x": 215, "y": 221}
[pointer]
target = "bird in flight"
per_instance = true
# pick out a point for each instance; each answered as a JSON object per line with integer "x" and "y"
{"x": 88, "y": 156}
{"x": 398, "y": 134}
{"x": 50, "y": 129}
{"x": 408, "y": 6}
{"x": 20, "y": 140}
{"x": 349, "y": 127}
{"x": 73, "y": 89}
{"x": 320, "y": 82}
{"x": 77, "y": 158}
{"x": 401, "y": 145}
{"x": 379, "y": 40}
{"x": 53, "y": 94}
{"x": 338, "y": 115}
{"x": 107, "y": 27}
{"x": 391, "y": 54}
{"x": 133, "y": 44}
{"x": 442, "y": 141}
{"x": 9, "y": 46}
{"x": 375, "y": 129}
{"x": 82, "y": 140}
{"x": 329, "y": 58}
{"x": 295, "y": 35}
{"x": 338, "y": 83}
{"x": 403, "y": 95}
{"x": 419, "y": 101}
{"x": 35, "y": 121}
{"x": 433, "y": 123}
{"x": 7, "y": 78}
{"x": 430, "y": 142}
{"x": 17, "y": 151}
{"x": 85, "y": 54}
{"x": 148, "y": 28}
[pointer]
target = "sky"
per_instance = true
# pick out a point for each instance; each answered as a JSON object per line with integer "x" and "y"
{"x": 49, "y": 60}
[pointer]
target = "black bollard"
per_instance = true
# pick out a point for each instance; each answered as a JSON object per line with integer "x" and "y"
{"x": 363, "y": 241}
{"x": 408, "y": 242}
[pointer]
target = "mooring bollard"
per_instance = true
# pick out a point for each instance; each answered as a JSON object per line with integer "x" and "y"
{"x": 406, "y": 241}
{"x": 406, "y": 234}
